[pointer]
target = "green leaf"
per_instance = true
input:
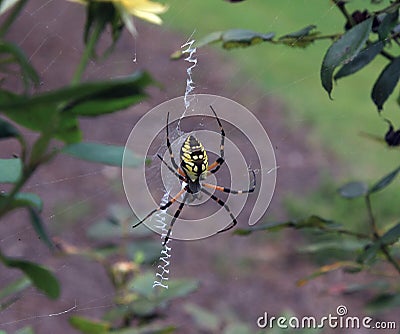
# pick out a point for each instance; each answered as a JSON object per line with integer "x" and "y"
{"x": 386, "y": 83}
{"x": 298, "y": 39}
{"x": 205, "y": 320}
{"x": 58, "y": 110}
{"x": 353, "y": 189}
{"x": 7, "y": 130}
{"x": 25, "y": 330}
{"x": 300, "y": 33}
{"x": 22, "y": 200}
{"x": 28, "y": 73}
{"x": 39, "y": 227}
{"x": 388, "y": 23}
{"x": 15, "y": 287}
{"x": 88, "y": 326}
{"x": 149, "y": 329}
{"x": 369, "y": 254}
{"x": 149, "y": 249}
{"x": 344, "y": 50}
{"x": 105, "y": 154}
{"x": 309, "y": 222}
{"x": 391, "y": 236}
{"x": 384, "y": 182}
{"x": 10, "y": 170}
{"x": 382, "y": 302}
{"x": 40, "y": 276}
{"x": 361, "y": 60}
{"x": 235, "y": 38}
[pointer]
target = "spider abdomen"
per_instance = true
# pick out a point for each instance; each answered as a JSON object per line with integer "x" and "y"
{"x": 194, "y": 159}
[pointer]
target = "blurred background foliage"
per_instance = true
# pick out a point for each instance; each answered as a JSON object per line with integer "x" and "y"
{"x": 350, "y": 222}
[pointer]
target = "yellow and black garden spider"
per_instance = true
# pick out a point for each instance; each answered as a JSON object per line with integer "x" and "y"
{"x": 194, "y": 168}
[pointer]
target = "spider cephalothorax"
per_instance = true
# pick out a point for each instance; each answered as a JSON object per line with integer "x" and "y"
{"x": 193, "y": 169}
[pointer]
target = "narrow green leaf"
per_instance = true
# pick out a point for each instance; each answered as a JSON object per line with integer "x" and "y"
{"x": 29, "y": 74}
{"x": 383, "y": 302}
{"x": 5, "y": 5}
{"x": 88, "y": 326}
{"x": 384, "y": 182}
{"x": 25, "y": 330}
{"x": 40, "y": 276}
{"x": 344, "y": 50}
{"x": 235, "y": 38}
{"x": 205, "y": 320}
{"x": 391, "y": 236}
{"x": 300, "y": 33}
{"x": 353, "y": 189}
{"x": 369, "y": 254}
{"x": 22, "y": 200}
{"x": 39, "y": 227}
{"x": 15, "y": 287}
{"x": 10, "y": 170}
{"x": 388, "y": 23}
{"x": 149, "y": 329}
{"x": 100, "y": 153}
{"x": 361, "y": 60}
{"x": 386, "y": 83}
{"x": 7, "y": 130}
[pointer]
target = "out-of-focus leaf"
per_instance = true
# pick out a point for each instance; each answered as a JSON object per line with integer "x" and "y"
{"x": 40, "y": 276}
{"x": 230, "y": 39}
{"x": 369, "y": 254}
{"x": 342, "y": 51}
{"x": 105, "y": 154}
{"x": 361, "y": 60}
{"x": 353, "y": 189}
{"x": 15, "y": 287}
{"x": 388, "y": 23}
{"x": 391, "y": 236}
{"x": 204, "y": 319}
{"x": 345, "y": 245}
{"x": 328, "y": 268}
{"x": 148, "y": 249}
{"x": 25, "y": 330}
{"x": 7, "y": 130}
{"x": 22, "y": 200}
{"x": 39, "y": 227}
{"x": 383, "y": 302}
{"x": 298, "y": 39}
{"x": 11, "y": 170}
{"x": 149, "y": 329}
{"x": 386, "y": 83}
{"x": 310, "y": 222}
{"x": 384, "y": 182}
{"x": 58, "y": 110}
{"x": 88, "y": 326}
{"x": 5, "y": 5}
{"x": 300, "y": 33}
{"x": 29, "y": 74}
{"x": 235, "y": 38}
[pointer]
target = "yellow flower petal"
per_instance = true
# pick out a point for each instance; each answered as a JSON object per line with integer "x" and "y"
{"x": 144, "y": 5}
{"x": 153, "y": 18}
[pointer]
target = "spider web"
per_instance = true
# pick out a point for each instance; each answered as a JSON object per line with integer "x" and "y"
{"x": 78, "y": 194}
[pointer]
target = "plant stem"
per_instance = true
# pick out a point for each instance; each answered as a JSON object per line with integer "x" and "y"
{"x": 12, "y": 16}
{"x": 88, "y": 52}
{"x": 376, "y": 235}
{"x": 374, "y": 228}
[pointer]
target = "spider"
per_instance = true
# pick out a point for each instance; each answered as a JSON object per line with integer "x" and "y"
{"x": 194, "y": 168}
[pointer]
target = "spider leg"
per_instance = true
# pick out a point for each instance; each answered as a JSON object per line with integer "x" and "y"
{"x": 176, "y": 215}
{"x": 222, "y": 203}
{"x": 217, "y": 164}
{"x": 179, "y": 174}
{"x": 162, "y": 207}
{"x": 171, "y": 155}
{"x": 231, "y": 191}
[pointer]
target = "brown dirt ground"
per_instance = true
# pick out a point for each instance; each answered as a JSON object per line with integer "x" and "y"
{"x": 248, "y": 275}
